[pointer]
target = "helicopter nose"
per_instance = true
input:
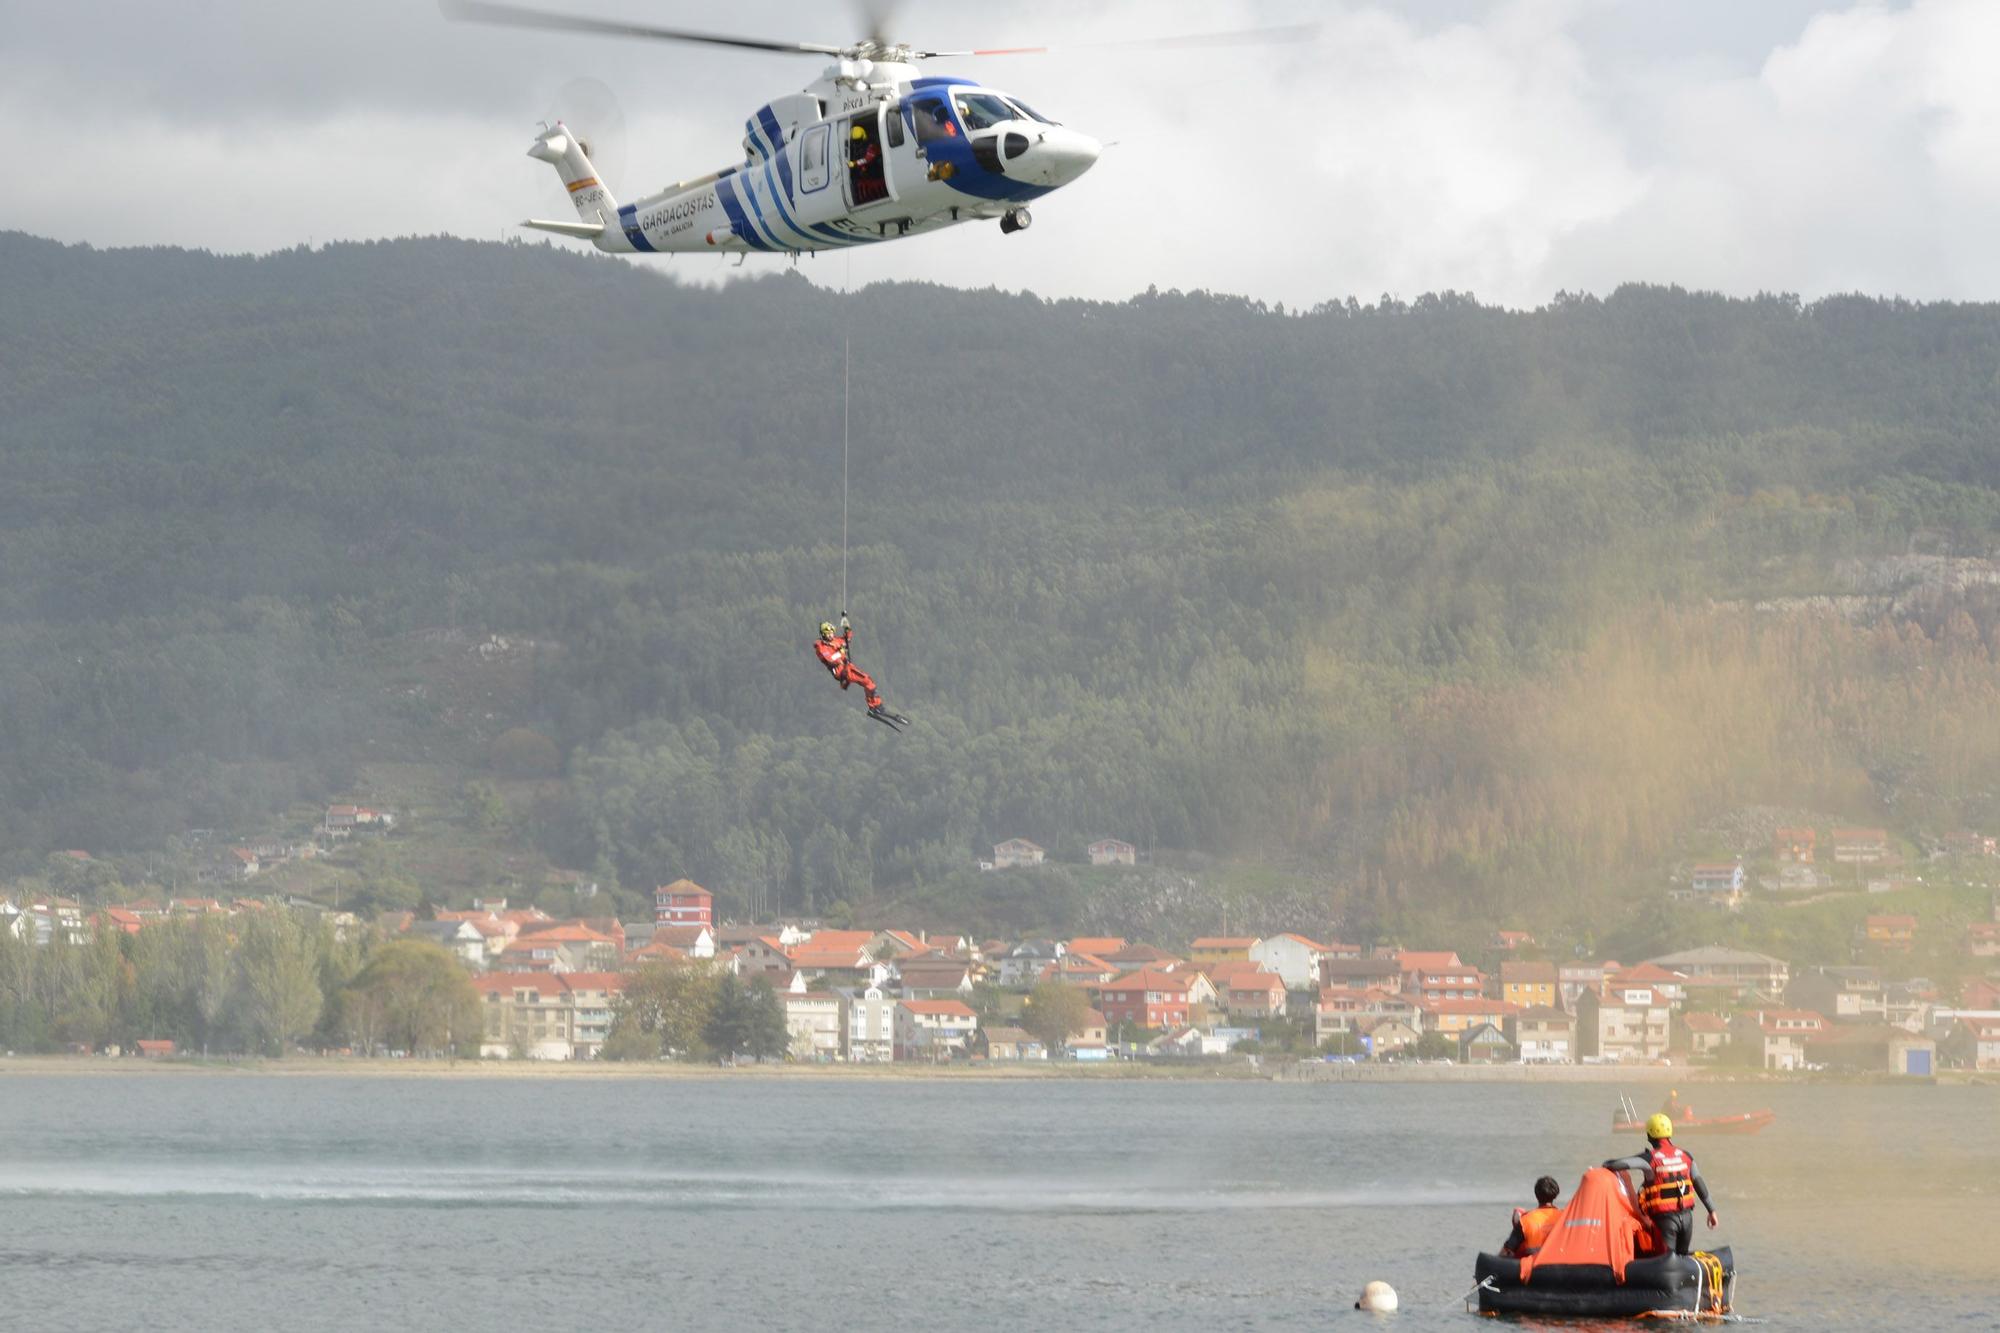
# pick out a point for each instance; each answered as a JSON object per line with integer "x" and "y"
{"x": 1056, "y": 155}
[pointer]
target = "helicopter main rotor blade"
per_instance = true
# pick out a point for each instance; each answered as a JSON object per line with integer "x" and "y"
{"x": 1281, "y": 36}
{"x": 519, "y": 16}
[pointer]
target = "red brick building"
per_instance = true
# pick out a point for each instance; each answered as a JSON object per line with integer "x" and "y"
{"x": 683, "y": 903}
{"x": 1150, "y": 999}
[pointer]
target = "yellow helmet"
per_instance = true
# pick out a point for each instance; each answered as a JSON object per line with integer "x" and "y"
{"x": 857, "y": 133}
{"x": 1658, "y": 1126}
{"x": 826, "y": 629}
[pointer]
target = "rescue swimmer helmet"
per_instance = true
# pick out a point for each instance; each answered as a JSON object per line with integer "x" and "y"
{"x": 857, "y": 133}
{"x": 826, "y": 629}
{"x": 1658, "y": 1126}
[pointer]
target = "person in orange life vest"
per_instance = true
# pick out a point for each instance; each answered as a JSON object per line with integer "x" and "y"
{"x": 832, "y": 649}
{"x": 1672, "y": 1181}
{"x": 1532, "y": 1226}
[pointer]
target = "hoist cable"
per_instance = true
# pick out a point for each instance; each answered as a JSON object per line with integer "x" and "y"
{"x": 845, "y": 355}
{"x": 846, "y": 362}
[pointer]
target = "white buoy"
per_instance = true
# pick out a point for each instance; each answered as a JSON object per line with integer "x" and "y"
{"x": 1377, "y": 1298}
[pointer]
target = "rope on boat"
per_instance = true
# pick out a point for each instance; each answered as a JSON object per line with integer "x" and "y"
{"x": 1485, "y": 1284}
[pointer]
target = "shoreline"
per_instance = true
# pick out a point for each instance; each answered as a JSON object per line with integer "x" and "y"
{"x": 29, "y": 1066}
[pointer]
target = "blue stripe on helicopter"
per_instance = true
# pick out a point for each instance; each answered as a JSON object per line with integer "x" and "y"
{"x": 784, "y": 212}
{"x": 628, "y": 219}
{"x": 791, "y": 229}
{"x": 771, "y": 132}
{"x": 738, "y": 221}
{"x": 769, "y": 232}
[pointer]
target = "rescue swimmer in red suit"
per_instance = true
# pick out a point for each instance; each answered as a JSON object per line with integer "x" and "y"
{"x": 833, "y": 650}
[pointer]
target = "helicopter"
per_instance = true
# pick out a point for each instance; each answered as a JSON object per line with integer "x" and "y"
{"x": 872, "y": 151}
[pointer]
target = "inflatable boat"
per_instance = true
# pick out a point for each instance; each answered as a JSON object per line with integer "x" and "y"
{"x": 1627, "y": 1120}
{"x": 1595, "y": 1265}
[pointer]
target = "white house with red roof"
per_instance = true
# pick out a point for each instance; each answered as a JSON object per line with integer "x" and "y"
{"x": 546, "y": 1016}
{"x": 1435, "y": 974}
{"x": 1254, "y": 994}
{"x": 1777, "y": 1037}
{"x": 529, "y": 955}
{"x": 1293, "y": 957}
{"x": 1346, "y": 1009}
{"x": 841, "y": 958}
{"x": 1628, "y": 1025}
{"x": 1452, "y": 1017}
{"x": 581, "y": 948}
{"x": 1974, "y": 1043}
{"x": 934, "y": 1029}
{"x": 1671, "y": 986}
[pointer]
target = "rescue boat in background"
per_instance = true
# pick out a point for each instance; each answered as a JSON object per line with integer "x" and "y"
{"x": 1627, "y": 1120}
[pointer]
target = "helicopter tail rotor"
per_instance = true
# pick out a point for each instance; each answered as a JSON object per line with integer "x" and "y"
{"x": 592, "y": 111}
{"x": 596, "y": 206}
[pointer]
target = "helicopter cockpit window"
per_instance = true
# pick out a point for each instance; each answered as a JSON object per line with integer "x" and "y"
{"x": 933, "y": 120}
{"x": 982, "y": 111}
{"x": 1027, "y": 111}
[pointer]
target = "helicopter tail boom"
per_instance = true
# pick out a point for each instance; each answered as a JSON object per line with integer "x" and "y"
{"x": 595, "y": 205}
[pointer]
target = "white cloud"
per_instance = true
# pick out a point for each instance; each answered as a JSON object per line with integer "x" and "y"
{"x": 1865, "y": 155}
{"x": 1505, "y": 147}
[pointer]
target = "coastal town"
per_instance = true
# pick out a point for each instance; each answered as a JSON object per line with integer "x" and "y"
{"x": 555, "y": 988}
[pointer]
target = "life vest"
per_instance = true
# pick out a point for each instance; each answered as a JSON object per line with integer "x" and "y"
{"x": 832, "y": 653}
{"x": 1536, "y": 1224}
{"x": 1671, "y": 1190}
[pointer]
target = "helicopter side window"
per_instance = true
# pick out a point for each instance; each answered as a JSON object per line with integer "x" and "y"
{"x": 892, "y": 124}
{"x": 933, "y": 120}
{"x": 812, "y": 159}
{"x": 982, "y": 111}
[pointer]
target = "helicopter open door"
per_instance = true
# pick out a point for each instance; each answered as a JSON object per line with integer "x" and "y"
{"x": 871, "y": 138}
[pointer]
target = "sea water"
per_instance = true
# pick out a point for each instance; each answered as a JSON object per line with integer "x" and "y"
{"x": 247, "y": 1201}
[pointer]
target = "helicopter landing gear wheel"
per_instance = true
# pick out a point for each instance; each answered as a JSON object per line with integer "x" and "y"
{"x": 1017, "y": 219}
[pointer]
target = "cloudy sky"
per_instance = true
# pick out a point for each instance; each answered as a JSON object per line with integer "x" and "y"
{"x": 1510, "y": 148}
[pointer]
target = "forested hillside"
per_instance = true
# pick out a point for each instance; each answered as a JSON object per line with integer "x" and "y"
{"x": 1446, "y": 608}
